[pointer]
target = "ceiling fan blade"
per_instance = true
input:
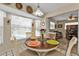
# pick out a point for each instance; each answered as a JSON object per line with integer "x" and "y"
{"x": 75, "y": 17}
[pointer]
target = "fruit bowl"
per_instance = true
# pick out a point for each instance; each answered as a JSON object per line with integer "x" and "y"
{"x": 33, "y": 43}
{"x": 52, "y": 42}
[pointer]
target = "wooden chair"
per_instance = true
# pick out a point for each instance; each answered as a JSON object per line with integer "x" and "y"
{"x": 72, "y": 42}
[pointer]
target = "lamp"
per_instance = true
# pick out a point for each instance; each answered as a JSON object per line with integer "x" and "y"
{"x": 38, "y": 12}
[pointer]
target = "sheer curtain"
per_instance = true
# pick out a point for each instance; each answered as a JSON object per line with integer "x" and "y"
{"x": 2, "y": 15}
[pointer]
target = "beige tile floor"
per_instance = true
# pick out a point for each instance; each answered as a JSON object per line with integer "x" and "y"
{"x": 23, "y": 51}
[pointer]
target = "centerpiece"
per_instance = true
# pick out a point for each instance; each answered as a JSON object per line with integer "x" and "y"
{"x": 43, "y": 30}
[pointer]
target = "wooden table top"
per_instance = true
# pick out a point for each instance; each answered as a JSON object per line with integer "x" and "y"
{"x": 42, "y": 46}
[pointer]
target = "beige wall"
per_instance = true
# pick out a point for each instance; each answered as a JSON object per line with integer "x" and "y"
{"x": 78, "y": 33}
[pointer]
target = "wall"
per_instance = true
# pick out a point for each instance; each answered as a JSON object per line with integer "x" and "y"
{"x": 59, "y": 11}
{"x": 61, "y": 20}
{"x": 13, "y": 5}
{"x": 63, "y": 26}
{"x": 61, "y": 29}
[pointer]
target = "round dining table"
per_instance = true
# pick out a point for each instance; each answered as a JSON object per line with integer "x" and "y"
{"x": 43, "y": 49}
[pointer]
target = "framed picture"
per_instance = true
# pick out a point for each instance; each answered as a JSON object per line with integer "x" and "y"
{"x": 59, "y": 25}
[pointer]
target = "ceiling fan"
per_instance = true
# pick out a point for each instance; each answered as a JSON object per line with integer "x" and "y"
{"x": 71, "y": 17}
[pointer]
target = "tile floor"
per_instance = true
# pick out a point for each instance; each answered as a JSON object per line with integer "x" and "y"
{"x": 23, "y": 51}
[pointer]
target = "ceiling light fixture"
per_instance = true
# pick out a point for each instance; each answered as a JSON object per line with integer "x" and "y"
{"x": 38, "y": 12}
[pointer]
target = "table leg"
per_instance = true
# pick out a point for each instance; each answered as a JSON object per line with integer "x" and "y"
{"x": 42, "y": 53}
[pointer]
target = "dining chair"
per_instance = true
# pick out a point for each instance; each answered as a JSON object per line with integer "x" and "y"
{"x": 52, "y": 35}
{"x": 72, "y": 42}
{"x": 67, "y": 51}
{"x": 18, "y": 46}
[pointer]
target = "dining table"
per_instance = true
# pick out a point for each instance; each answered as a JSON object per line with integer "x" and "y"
{"x": 42, "y": 49}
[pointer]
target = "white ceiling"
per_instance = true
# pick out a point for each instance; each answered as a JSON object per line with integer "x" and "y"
{"x": 47, "y": 7}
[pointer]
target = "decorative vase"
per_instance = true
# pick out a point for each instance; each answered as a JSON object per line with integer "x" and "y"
{"x": 42, "y": 36}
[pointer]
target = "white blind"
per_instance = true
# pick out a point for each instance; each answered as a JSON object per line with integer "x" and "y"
{"x": 20, "y": 26}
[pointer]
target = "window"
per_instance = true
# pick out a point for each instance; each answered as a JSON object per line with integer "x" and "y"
{"x": 52, "y": 25}
{"x": 37, "y": 23}
{"x": 21, "y": 25}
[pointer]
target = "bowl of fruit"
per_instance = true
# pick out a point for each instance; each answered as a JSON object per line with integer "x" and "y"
{"x": 34, "y": 43}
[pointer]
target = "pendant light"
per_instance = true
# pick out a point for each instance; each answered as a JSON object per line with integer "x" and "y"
{"x": 38, "y": 12}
